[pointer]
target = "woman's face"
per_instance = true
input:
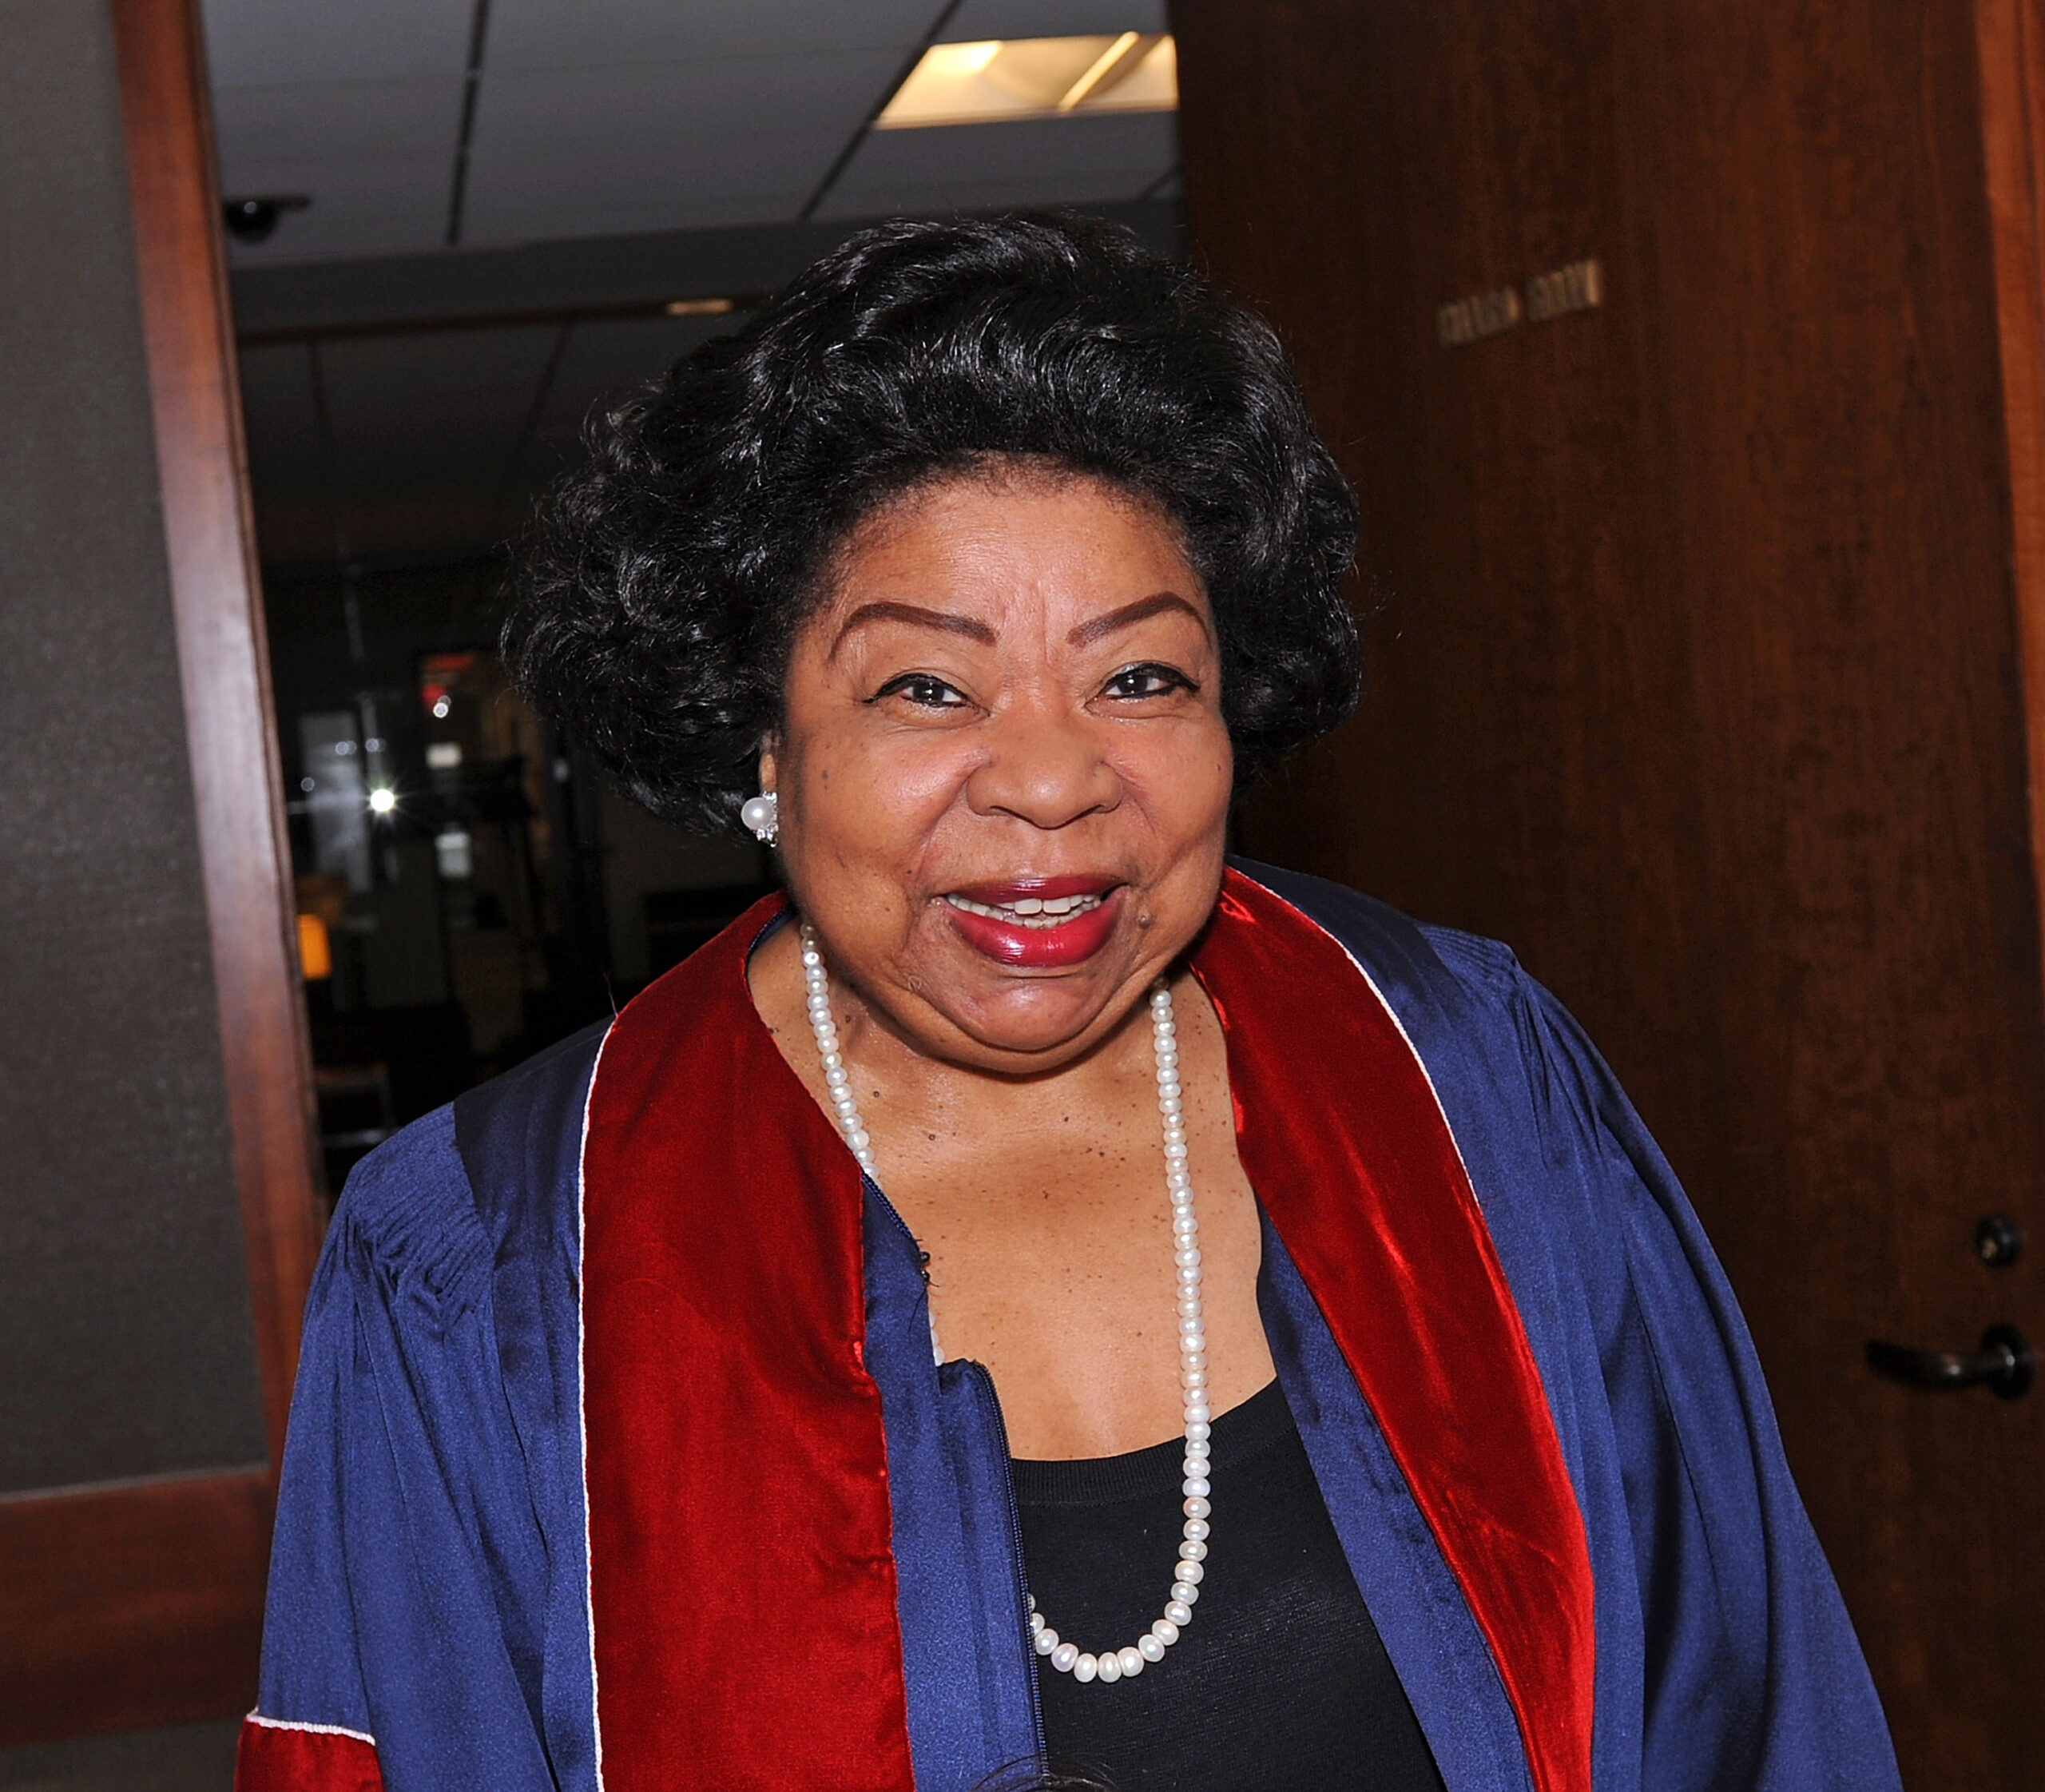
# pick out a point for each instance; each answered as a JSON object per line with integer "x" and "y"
{"x": 1003, "y": 775}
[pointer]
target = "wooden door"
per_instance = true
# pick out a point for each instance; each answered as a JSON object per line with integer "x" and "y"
{"x": 1696, "y": 657}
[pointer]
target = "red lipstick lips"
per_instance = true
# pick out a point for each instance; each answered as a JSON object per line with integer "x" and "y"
{"x": 1006, "y": 939}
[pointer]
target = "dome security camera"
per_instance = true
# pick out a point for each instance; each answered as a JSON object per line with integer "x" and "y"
{"x": 253, "y": 219}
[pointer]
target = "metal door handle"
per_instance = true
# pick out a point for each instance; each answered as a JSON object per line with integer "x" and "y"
{"x": 2006, "y": 1363}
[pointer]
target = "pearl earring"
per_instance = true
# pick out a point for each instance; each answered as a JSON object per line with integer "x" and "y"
{"x": 762, "y": 815}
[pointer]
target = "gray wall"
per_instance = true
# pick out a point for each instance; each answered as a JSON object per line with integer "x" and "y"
{"x": 126, "y": 1342}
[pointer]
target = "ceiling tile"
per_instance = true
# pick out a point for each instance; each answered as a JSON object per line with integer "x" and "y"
{"x": 308, "y": 123}
{"x": 976, "y": 20}
{"x": 272, "y": 43}
{"x": 526, "y": 34}
{"x": 589, "y": 151}
{"x": 751, "y": 180}
{"x": 969, "y": 168}
{"x": 587, "y": 110}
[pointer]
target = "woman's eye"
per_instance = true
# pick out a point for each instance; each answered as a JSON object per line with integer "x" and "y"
{"x": 924, "y": 690}
{"x": 1149, "y": 680}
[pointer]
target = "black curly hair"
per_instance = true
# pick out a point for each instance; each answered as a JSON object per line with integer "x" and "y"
{"x": 655, "y": 604}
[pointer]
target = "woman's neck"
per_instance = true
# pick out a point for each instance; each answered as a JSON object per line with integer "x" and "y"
{"x": 1041, "y": 1203}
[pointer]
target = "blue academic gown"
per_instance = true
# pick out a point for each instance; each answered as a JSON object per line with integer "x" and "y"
{"x": 430, "y": 1621}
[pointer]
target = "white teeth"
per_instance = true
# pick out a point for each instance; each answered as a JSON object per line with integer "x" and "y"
{"x": 1030, "y": 911}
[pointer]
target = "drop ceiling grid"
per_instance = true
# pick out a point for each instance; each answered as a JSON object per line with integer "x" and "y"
{"x": 634, "y": 115}
{"x": 597, "y": 117}
{"x": 620, "y": 115}
{"x": 356, "y": 105}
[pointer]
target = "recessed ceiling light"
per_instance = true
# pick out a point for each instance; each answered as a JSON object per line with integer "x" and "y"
{"x": 699, "y": 307}
{"x": 999, "y": 79}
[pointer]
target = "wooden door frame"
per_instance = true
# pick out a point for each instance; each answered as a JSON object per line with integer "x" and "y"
{"x": 2011, "y": 38}
{"x": 137, "y": 1604}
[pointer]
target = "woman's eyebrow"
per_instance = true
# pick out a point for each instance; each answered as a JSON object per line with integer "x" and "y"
{"x": 1101, "y": 626}
{"x": 916, "y": 614}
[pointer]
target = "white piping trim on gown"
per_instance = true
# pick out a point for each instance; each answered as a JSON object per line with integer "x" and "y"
{"x": 262, "y": 1723}
{"x": 582, "y": 1419}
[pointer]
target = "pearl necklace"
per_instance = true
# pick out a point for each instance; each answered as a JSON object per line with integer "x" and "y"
{"x": 1109, "y": 1665}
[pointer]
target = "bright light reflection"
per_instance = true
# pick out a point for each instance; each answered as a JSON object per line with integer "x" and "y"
{"x": 1098, "y": 70}
{"x": 383, "y": 800}
{"x": 1036, "y": 78}
{"x": 961, "y": 61}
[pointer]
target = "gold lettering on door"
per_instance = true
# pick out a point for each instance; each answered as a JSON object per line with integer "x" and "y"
{"x": 1579, "y": 286}
{"x": 1481, "y": 314}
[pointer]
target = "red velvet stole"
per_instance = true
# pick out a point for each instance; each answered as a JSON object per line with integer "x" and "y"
{"x": 742, "y": 1583}
{"x": 290, "y": 1758}
{"x": 1342, "y": 1137}
{"x": 741, "y": 1562}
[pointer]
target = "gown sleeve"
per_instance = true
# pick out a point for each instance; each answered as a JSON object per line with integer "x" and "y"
{"x": 399, "y": 1646}
{"x": 1753, "y": 1680}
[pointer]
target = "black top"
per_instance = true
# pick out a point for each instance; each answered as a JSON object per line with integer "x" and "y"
{"x": 1279, "y": 1684}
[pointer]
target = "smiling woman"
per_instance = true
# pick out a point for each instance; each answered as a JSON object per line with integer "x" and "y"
{"x": 1038, "y": 1299}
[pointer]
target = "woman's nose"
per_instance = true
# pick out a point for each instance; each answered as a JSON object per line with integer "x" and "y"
{"x": 1045, "y": 770}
